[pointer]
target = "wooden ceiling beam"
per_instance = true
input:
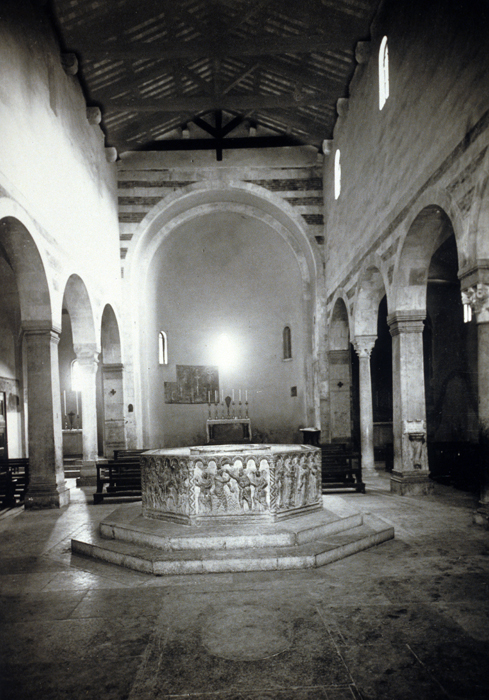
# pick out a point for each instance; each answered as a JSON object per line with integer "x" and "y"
{"x": 240, "y": 77}
{"x": 210, "y": 144}
{"x": 237, "y": 103}
{"x": 262, "y": 46}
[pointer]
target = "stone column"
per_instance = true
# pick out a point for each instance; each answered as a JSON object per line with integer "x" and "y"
{"x": 363, "y": 345}
{"x": 114, "y": 433}
{"x": 411, "y": 473}
{"x": 47, "y": 486}
{"x": 477, "y": 296}
{"x": 88, "y": 360}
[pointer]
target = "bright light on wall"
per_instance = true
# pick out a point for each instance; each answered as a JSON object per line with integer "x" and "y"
{"x": 76, "y": 376}
{"x": 225, "y": 351}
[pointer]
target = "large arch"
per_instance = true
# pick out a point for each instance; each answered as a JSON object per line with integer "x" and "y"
{"x": 340, "y": 371}
{"x": 431, "y": 224}
{"x": 251, "y": 203}
{"x": 370, "y": 289}
{"x": 86, "y": 348}
{"x": 22, "y": 255}
{"x": 433, "y": 219}
{"x": 111, "y": 368}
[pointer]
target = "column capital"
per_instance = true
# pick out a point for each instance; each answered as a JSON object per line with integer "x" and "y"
{"x": 477, "y": 297}
{"x": 406, "y": 321}
{"x": 41, "y": 328}
{"x": 86, "y": 354}
{"x": 364, "y": 344}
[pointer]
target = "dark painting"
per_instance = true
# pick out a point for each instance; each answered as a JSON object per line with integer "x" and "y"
{"x": 195, "y": 384}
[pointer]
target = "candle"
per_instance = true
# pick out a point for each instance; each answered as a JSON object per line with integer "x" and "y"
{"x": 246, "y": 395}
{"x": 216, "y": 395}
{"x": 208, "y": 397}
{"x": 64, "y": 397}
{"x": 222, "y": 395}
{"x": 240, "y": 394}
{"x": 76, "y": 397}
{"x": 233, "y": 394}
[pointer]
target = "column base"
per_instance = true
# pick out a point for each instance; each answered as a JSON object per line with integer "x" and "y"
{"x": 88, "y": 473}
{"x": 481, "y": 516}
{"x": 411, "y": 483}
{"x": 48, "y": 496}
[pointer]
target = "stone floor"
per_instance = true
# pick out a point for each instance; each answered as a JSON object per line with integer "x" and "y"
{"x": 406, "y": 619}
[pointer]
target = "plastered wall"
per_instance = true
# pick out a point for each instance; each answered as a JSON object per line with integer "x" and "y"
{"x": 53, "y": 162}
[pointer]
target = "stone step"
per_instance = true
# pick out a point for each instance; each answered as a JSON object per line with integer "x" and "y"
{"x": 327, "y": 548}
{"x": 128, "y": 525}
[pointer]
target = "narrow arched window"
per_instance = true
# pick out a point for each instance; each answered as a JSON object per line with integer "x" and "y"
{"x": 287, "y": 343}
{"x": 337, "y": 174}
{"x": 383, "y": 73}
{"x": 162, "y": 348}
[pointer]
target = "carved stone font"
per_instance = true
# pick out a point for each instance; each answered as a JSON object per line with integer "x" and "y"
{"x": 199, "y": 484}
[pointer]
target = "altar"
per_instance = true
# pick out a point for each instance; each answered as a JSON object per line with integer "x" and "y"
{"x": 213, "y": 425}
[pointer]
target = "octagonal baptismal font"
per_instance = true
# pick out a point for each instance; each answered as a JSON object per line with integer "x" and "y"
{"x": 230, "y": 508}
{"x": 225, "y": 483}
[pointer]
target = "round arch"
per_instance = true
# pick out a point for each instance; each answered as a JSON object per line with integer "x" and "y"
{"x": 339, "y": 323}
{"x": 434, "y": 219}
{"x": 248, "y": 201}
{"x": 110, "y": 339}
{"x": 370, "y": 290}
{"x": 76, "y": 300}
{"x": 214, "y": 195}
{"x": 18, "y": 247}
{"x": 478, "y": 245}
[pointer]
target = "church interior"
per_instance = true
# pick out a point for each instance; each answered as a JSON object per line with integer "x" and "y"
{"x": 259, "y": 225}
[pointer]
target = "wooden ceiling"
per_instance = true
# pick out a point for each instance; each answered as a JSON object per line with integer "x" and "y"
{"x": 180, "y": 74}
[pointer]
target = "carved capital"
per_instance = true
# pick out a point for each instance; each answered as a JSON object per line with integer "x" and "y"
{"x": 364, "y": 344}
{"x": 477, "y": 297}
{"x": 406, "y": 321}
{"x": 86, "y": 355}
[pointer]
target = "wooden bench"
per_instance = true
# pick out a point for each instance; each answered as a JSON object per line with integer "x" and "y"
{"x": 128, "y": 455}
{"x": 118, "y": 479}
{"x": 14, "y": 478}
{"x": 341, "y": 468}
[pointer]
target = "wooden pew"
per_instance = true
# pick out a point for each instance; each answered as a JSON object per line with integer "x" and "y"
{"x": 118, "y": 479}
{"x": 341, "y": 468}
{"x": 14, "y": 478}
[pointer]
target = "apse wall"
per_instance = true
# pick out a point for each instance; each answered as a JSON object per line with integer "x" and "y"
{"x": 224, "y": 273}
{"x": 431, "y": 133}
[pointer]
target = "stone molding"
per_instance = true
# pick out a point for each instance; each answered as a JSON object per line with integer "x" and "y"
{"x": 406, "y": 321}
{"x": 40, "y": 328}
{"x": 364, "y": 344}
{"x": 115, "y": 367}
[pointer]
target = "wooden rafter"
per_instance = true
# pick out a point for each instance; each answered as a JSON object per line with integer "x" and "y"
{"x": 237, "y": 103}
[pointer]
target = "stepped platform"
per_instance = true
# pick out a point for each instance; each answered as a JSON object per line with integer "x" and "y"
{"x": 161, "y": 548}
